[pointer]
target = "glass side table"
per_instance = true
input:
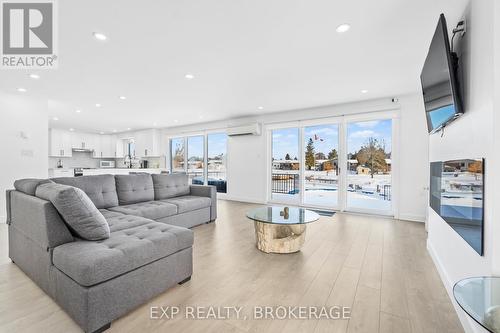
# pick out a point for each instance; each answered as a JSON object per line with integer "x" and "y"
{"x": 479, "y": 297}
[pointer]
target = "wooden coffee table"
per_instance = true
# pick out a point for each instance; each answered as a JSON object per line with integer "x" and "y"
{"x": 280, "y": 229}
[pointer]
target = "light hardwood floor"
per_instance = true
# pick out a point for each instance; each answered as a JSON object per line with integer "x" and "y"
{"x": 380, "y": 267}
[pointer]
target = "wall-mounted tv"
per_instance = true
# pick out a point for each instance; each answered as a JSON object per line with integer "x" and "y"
{"x": 456, "y": 194}
{"x": 439, "y": 79}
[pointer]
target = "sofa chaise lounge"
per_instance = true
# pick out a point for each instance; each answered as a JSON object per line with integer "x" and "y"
{"x": 149, "y": 248}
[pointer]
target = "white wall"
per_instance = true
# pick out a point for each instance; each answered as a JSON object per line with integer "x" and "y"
{"x": 247, "y": 155}
{"x": 469, "y": 137}
{"x": 22, "y": 157}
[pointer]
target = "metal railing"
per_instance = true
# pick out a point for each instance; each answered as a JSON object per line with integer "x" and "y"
{"x": 387, "y": 192}
{"x": 286, "y": 183}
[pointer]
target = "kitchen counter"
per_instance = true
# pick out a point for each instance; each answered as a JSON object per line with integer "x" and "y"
{"x": 69, "y": 172}
{"x": 118, "y": 171}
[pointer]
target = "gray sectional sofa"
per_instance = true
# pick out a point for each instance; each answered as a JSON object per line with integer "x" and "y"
{"x": 149, "y": 248}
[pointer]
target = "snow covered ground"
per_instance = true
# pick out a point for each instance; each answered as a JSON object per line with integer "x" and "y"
{"x": 462, "y": 189}
{"x": 321, "y": 189}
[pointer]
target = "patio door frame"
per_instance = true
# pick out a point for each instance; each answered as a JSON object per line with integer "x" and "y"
{"x": 342, "y": 121}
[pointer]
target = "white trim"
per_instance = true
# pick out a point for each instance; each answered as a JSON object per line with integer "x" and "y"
{"x": 412, "y": 217}
{"x": 243, "y": 199}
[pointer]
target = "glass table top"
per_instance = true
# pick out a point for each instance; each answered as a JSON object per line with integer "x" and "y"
{"x": 282, "y": 215}
{"x": 479, "y": 297}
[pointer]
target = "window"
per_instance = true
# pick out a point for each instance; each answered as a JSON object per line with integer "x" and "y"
{"x": 343, "y": 163}
{"x": 321, "y": 174}
{"x": 369, "y": 180}
{"x": 285, "y": 165}
{"x": 217, "y": 161}
{"x": 201, "y": 169}
{"x": 177, "y": 155}
{"x": 196, "y": 159}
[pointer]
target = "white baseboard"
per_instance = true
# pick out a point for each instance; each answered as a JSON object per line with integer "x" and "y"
{"x": 243, "y": 199}
{"x": 467, "y": 323}
{"x": 412, "y": 217}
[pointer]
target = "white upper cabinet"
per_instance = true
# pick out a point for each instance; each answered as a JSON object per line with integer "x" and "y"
{"x": 107, "y": 146}
{"x": 59, "y": 143}
{"x": 147, "y": 143}
{"x": 84, "y": 140}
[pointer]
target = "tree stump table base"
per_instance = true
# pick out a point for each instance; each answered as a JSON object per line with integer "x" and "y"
{"x": 279, "y": 238}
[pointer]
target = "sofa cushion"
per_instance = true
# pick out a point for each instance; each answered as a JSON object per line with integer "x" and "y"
{"x": 134, "y": 242}
{"x": 189, "y": 203}
{"x": 101, "y": 189}
{"x": 170, "y": 185}
{"x": 153, "y": 210}
{"x": 76, "y": 209}
{"x": 29, "y": 185}
{"x": 109, "y": 214}
{"x": 134, "y": 188}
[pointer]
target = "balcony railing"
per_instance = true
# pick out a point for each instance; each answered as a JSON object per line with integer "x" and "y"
{"x": 286, "y": 183}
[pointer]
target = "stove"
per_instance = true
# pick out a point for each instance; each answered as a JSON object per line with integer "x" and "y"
{"x": 77, "y": 172}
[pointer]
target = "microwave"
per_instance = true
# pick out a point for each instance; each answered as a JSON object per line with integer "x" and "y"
{"x": 107, "y": 164}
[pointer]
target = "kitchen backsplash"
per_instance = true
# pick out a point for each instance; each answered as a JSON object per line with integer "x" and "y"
{"x": 154, "y": 162}
{"x": 78, "y": 160}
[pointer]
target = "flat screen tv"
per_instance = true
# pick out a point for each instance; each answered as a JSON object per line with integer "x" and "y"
{"x": 440, "y": 85}
{"x": 456, "y": 194}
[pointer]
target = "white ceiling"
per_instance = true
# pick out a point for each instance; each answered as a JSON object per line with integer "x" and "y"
{"x": 279, "y": 54}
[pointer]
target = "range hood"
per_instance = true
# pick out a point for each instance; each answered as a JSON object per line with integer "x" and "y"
{"x": 82, "y": 150}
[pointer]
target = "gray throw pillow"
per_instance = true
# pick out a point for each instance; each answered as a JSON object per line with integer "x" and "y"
{"x": 77, "y": 210}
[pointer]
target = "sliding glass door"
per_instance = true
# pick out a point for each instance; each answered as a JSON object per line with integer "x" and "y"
{"x": 369, "y": 173}
{"x": 177, "y": 154}
{"x": 202, "y": 157}
{"x": 217, "y": 161}
{"x": 196, "y": 160}
{"x": 285, "y": 165}
{"x": 321, "y": 172}
{"x": 345, "y": 163}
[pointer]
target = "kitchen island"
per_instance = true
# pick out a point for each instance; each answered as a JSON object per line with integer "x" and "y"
{"x": 69, "y": 172}
{"x": 119, "y": 171}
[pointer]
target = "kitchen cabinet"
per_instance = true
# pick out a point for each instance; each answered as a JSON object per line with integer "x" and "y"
{"x": 147, "y": 143}
{"x": 119, "y": 148}
{"x": 87, "y": 141}
{"x": 106, "y": 147}
{"x": 59, "y": 143}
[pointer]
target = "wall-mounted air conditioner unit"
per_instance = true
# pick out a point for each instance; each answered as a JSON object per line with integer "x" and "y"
{"x": 251, "y": 129}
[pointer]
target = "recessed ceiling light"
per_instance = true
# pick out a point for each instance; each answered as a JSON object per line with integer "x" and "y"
{"x": 34, "y": 76}
{"x": 189, "y": 76}
{"x": 176, "y": 121}
{"x": 260, "y": 108}
{"x": 128, "y": 128}
{"x": 21, "y": 90}
{"x": 122, "y": 98}
{"x": 343, "y": 28}
{"x": 97, "y": 105}
{"x": 364, "y": 91}
{"x": 99, "y": 36}
{"x": 101, "y": 133}
{"x": 114, "y": 131}
{"x": 55, "y": 118}
{"x": 71, "y": 129}
{"x": 78, "y": 111}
